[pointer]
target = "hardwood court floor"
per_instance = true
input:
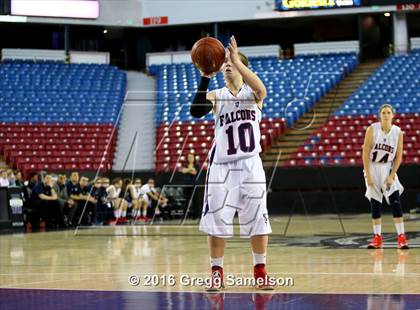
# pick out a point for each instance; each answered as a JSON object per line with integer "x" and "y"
{"x": 315, "y": 253}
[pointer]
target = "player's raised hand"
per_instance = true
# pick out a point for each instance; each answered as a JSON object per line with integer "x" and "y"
{"x": 233, "y": 51}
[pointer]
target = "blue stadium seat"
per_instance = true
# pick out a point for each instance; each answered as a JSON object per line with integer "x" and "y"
{"x": 293, "y": 86}
{"x": 46, "y": 91}
{"x": 396, "y": 82}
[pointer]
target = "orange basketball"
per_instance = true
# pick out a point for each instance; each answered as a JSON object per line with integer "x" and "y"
{"x": 208, "y": 54}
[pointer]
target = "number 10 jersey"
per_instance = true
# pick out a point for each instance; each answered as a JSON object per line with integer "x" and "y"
{"x": 237, "y": 125}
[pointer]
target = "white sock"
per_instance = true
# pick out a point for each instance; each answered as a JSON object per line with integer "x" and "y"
{"x": 259, "y": 258}
{"x": 216, "y": 261}
{"x": 134, "y": 213}
{"x": 377, "y": 229}
{"x": 400, "y": 228}
{"x": 144, "y": 212}
{"x": 124, "y": 213}
{"x": 117, "y": 213}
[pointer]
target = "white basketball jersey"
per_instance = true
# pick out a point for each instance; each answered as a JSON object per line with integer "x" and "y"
{"x": 237, "y": 125}
{"x": 384, "y": 146}
{"x": 113, "y": 191}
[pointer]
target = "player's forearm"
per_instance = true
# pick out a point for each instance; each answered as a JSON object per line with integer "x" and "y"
{"x": 200, "y": 105}
{"x": 396, "y": 165}
{"x": 366, "y": 166}
{"x": 252, "y": 80}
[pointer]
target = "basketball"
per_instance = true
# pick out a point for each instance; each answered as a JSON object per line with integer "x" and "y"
{"x": 208, "y": 54}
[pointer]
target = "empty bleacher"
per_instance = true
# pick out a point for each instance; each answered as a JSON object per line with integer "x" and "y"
{"x": 340, "y": 140}
{"x": 57, "y": 116}
{"x": 293, "y": 87}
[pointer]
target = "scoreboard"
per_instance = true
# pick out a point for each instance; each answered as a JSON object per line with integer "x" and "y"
{"x": 288, "y": 5}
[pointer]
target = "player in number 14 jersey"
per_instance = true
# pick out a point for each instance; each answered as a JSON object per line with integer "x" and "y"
{"x": 382, "y": 156}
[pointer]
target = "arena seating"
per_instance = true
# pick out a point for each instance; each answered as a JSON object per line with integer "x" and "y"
{"x": 340, "y": 140}
{"x": 293, "y": 87}
{"x": 59, "y": 116}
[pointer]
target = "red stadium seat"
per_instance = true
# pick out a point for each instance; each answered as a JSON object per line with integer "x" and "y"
{"x": 31, "y": 147}
{"x": 344, "y": 137}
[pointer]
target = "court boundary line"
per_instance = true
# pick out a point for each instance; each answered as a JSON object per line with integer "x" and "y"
{"x": 253, "y": 291}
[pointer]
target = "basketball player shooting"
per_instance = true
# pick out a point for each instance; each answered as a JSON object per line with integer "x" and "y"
{"x": 382, "y": 156}
{"x": 235, "y": 180}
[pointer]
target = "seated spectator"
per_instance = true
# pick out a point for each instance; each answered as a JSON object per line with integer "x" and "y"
{"x": 105, "y": 182}
{"x": 11, "y": 177}
{"x": 19, "y": 179}
{"x": 87, "y": 204}
{"x": 45, "y": 209}
{"x": 74, "y": 193}
{"x": 123, "y": 195}
{"x": 141, "y": 213}
{"x": 190, "y": 175}
{"x": 103, "y": 212}
{"x": 130, "y": 198}
{"x": 4, "y": 180}
{"x": 33, "y": 180}
{"x": 162, "y": 210}
{"x": 65, "y": 203}
{"x": 19, "y": 182}
{"x": 114, "y": 192}
{"x": 151, "y": 197}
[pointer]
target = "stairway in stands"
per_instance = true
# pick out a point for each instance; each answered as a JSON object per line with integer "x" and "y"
{"x": 138, "y": 115}
{"x": 308, "y": 124}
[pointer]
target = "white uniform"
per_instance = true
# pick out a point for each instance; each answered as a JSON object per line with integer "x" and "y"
{"x": 235, "y": 180}
{"x": 138, "y": 192}
{"x": 113, "y": 193}
{"x": 382, "y": 154}
{"x": 144, "y": 190}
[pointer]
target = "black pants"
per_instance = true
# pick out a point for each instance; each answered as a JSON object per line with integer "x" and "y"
{"x": 103, "y": 213}
{"x": 87, "y": 215}
{"x": 48, "y": 211}
{"x": 195, "y": 210}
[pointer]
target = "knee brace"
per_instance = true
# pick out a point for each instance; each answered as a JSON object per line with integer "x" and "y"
{"x": 375, "y": 207}
{"x": 395, "y": 202}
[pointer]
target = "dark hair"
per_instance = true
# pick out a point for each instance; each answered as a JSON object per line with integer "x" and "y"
{"x": 386, "y": 105}
{"x": 126, "y": 183}
{"x": 195, "y": 160}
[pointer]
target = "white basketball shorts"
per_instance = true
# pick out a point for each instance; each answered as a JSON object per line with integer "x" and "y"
{"x": 379, "y": 190}
{"x": 237, "y": 186}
